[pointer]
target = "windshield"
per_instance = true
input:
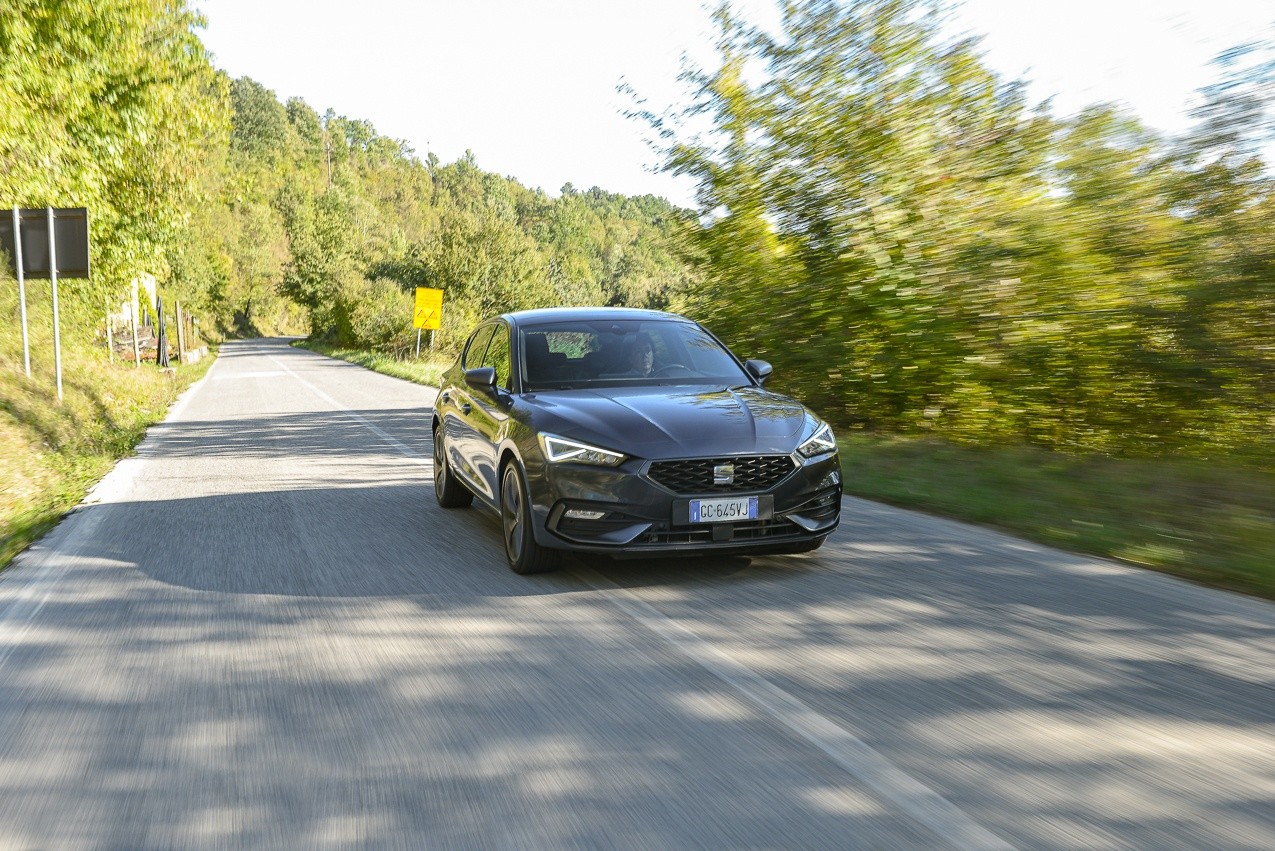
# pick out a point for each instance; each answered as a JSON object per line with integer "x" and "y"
{"x": 637, "y": 352}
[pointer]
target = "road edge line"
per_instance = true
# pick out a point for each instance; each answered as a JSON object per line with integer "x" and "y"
{"x": 887, "y": 782}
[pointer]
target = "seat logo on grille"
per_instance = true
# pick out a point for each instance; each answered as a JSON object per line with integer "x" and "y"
{"x": 724, "y": 474}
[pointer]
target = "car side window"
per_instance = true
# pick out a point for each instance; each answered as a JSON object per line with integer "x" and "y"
{"x": 498, "y": 356}
{"x": 477, "y": 346}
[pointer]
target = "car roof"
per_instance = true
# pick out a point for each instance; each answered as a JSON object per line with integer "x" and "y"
{"x": 586, "y": 314}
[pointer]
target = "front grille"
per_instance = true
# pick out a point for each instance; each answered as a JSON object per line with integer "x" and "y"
{"x": 695, "y": 476}
{"x": 752, "y": 530}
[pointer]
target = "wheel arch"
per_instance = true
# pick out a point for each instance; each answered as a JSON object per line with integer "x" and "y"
{"x": 536, "y": 493}
{"x": 508, "y": 454}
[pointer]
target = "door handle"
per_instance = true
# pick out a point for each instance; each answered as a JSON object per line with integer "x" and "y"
{"x": 465, "y": 408}
{"x": 444, "y": 398}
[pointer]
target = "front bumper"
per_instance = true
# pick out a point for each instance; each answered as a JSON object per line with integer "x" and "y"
{"x": 641, "y": 516}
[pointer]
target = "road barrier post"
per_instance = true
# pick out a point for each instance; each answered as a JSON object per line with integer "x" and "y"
{"x": 181, "y": 333}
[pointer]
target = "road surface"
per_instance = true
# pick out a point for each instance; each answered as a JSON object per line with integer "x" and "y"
{"x": 261, "y": 632}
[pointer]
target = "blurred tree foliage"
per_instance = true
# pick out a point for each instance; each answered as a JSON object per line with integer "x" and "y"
{"x": 267, "y": 217}
{"x": 915, "y": 245}
{"x": 919, "y": 249}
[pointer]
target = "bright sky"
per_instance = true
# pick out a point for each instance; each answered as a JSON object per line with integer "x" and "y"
{"x": 530, "y": 86}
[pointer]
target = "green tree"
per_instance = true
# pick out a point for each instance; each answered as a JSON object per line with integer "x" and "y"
{"x": 921, "y": 250}
{"x": 113, "y": 106}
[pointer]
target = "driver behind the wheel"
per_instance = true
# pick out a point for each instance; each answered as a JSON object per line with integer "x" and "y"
{"x": 641, "y": 356}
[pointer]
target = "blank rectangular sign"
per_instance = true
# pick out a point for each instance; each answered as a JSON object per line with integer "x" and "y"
{"x": 70, "y": 230}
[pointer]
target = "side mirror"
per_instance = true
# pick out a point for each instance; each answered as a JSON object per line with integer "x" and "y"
{"x": 482, "y": 378}
{"x": 759, "y": 369}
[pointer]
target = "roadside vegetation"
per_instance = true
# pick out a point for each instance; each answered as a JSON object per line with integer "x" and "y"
{"x": 922, "y": 251}
{"x": 1060, "y": 325}
{"x": 1209, "y": 521}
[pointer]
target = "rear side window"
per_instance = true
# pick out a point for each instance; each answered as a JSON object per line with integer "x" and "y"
{"x": 477, "y": 346}
{"x": 498, "y": 356}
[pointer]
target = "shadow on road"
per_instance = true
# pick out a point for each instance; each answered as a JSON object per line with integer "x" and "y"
{"x": 317, "y": 659}
{"x": 308, "y": 434}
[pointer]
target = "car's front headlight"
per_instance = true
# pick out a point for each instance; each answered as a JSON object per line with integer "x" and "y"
{"x": 560, "y": 450}
{"x": 820, "y": 442}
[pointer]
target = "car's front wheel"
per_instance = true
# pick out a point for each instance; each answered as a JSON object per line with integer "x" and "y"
{"x": 449, "y": 492}
{"x": 524, "y": 554}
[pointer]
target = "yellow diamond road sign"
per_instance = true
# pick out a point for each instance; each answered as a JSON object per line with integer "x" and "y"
{"x": 428, "y": 315}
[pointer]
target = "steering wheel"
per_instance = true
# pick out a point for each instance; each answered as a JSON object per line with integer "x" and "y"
{"x": 668, "y": 367}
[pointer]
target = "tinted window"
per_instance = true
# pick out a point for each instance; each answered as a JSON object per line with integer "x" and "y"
{"x": 477, "y": 346}
{"x": 498, "y": 356}
{"x": 634, "y": 351}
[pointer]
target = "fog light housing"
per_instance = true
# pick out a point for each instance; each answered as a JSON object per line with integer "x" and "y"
{"x": 583, "y": 514}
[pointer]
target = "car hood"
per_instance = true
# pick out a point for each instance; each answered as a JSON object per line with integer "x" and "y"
{"x": 674, "y": 422}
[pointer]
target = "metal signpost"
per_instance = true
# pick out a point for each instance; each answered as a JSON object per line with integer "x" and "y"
{"x": 53, "y": 278}
{"x": 66, "y": 230}
{"x": 22, "y": 290}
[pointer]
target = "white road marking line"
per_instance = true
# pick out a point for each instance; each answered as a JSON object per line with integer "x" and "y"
{"x": 919, "y": 801}
{"x": 403, "y": 449}
{"x": 45, "y": 567}
{"x": 269, "y": 373}
{"x": 891, "y": 784}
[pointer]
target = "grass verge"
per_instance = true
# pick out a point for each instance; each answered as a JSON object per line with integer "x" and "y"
{"x": 1211, "y": 522}
{"x": 52, "y": 453}
{"x": 427, "y": 370}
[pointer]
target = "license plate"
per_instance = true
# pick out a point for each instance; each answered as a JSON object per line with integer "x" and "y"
{"x": 723, "y": 510}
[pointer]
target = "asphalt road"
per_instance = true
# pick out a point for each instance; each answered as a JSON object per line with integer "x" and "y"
{"x": 262, "y": 632}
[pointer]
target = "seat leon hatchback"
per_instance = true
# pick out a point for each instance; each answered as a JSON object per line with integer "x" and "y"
{"x": 629, "y": 433}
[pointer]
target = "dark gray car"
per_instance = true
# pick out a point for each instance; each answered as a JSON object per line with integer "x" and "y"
{"x": 628, "y": 432}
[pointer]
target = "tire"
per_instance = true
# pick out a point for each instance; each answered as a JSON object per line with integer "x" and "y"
{"x": 524, "y": 554}
{"x": 448, "y": 490}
